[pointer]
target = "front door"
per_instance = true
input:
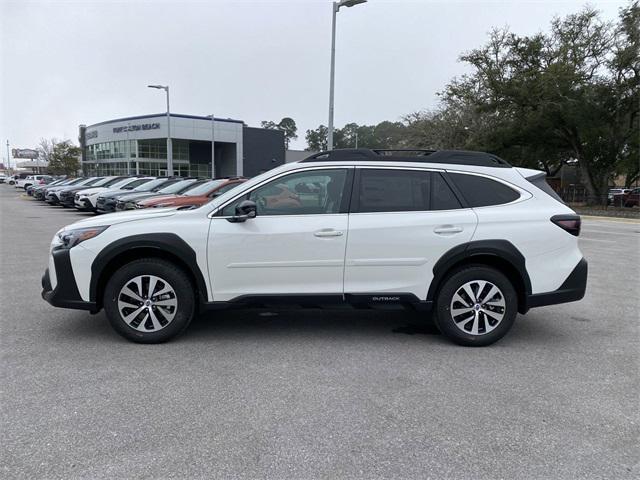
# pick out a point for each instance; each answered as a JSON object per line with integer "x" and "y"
{"x": 294, "y": 246}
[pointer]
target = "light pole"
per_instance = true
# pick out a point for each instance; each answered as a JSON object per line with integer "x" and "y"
{"x": 335, "y": 7}
{"x": 8, "y": 158}
{"x": 169, "y": 144}
{"x": 213, "y": 146}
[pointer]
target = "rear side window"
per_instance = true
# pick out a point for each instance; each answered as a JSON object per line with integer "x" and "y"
{"x": 393, "y": 190}
{"x": 482, "y": 191}
{"x": 540, "y": 181}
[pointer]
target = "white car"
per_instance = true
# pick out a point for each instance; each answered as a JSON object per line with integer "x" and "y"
{"x": 86, "y": 199}
{"x": 463, "y": 235}
{"x": 32, "y": 180}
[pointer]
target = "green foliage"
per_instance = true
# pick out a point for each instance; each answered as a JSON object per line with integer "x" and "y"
{"x": 64, "y": 158}
{"x": 286, "y": 125}
{"x": 383, "y": 135}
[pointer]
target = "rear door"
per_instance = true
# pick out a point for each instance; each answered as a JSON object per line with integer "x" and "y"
{"x": 401, "y": 222}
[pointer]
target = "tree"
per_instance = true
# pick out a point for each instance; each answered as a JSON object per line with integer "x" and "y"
{"x": 541, "y": 100}
{"x": 63, "y": 159}
{"x": 317, "y": 139}
{"x": 383, "y": 135}
{"x": 45, "y": 148}
{"x": 286, "y": 125}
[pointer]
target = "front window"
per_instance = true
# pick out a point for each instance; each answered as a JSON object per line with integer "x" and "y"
{"x": 304, "y": 193}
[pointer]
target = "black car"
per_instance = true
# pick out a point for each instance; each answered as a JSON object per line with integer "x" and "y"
{"x": 107, "y": 203}
{"x": 67, "y": 195}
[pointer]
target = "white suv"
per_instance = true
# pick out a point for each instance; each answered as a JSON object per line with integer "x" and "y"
{"x": 461, "y": 234}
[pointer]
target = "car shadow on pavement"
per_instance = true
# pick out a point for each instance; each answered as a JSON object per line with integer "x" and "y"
{"x": 292, "y": 324}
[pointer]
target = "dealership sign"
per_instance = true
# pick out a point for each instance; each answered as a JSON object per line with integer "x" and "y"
{"x": 135, "y": 128}
{"x": 24, "y": 153}
{"x": 91, "y": 134}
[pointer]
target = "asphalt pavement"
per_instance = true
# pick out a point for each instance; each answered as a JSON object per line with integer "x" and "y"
{"x": 305, "y": 394}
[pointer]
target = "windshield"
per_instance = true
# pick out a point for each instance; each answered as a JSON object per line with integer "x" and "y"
{"x": 176, "y": 187}
{"x": 77, "y": 181}
{"x": 204, "y": 188}
{"x": 131, "y": 185}
{"x": 108, "y": 182}
{"x": 148, "y": 186}
{"x": 91, "y": 181}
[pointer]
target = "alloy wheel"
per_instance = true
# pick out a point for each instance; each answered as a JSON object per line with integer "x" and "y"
{"x": 478, "y": 307}
{"x": 147, "y": 303}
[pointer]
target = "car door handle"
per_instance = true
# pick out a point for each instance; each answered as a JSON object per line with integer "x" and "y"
{"x": 328, "y": 232}
{"x": 447, "y": 229}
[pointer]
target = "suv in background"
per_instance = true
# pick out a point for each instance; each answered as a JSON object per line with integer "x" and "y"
{"x": 33, "y": 180}
{"x": 463, "y": 235}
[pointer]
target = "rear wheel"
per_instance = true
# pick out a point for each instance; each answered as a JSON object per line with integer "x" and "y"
{"x": 476, "y": 306}
{"x": 149, "y": 301}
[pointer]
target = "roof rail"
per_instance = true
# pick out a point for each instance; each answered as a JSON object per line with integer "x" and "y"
{"x": 453, "y": 157}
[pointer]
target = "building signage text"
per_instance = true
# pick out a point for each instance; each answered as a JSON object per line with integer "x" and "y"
{"x": 135, "y": 128}
{"x": 91, "y": 134}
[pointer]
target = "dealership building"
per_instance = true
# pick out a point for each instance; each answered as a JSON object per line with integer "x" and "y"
{"x": 138, "y": 146}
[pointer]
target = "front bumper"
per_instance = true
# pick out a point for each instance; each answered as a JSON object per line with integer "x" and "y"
{"x": 52, "y": 198}
{"x": 106, "y": 206}
{"x": 65, "y": 294}
{"x": 83, "y": 204}
{"x": 572, "y": 290}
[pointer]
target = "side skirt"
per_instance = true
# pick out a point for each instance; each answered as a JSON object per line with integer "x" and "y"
{"x": 326, "y": 301}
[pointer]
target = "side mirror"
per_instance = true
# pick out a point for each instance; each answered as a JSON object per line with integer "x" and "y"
{"x": 244, "y": 211}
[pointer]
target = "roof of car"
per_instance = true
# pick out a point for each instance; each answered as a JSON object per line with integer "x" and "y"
{"x": 456, "y": 157}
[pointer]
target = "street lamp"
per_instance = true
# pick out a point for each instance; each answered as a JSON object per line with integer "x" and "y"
{"x": 213, "y": 146}
{"x": 169, "y": 144}
{"x": 335, "y": 7}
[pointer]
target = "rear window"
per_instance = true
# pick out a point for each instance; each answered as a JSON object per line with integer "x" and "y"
{"x": 482, "y": 191}
{"x": 540, "y": 181}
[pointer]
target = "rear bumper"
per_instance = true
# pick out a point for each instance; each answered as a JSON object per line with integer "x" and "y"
{"x": 572, "y": 290}
{"x": 66, "y": 294}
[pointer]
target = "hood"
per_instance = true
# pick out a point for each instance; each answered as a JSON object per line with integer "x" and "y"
{"x": 115, "y": 193}
{"x": 121, "y": 217}
{"x": 159, "y": 199}
{"x": 137, "y": 196}
{"x": 90, "y": 190}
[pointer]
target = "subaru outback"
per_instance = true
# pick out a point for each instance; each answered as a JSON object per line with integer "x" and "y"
{"x": 462, "y": 236}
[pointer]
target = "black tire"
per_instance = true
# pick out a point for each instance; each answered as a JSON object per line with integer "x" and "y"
{"x": 168, "y": 273}
{"x": 460, "y": 331}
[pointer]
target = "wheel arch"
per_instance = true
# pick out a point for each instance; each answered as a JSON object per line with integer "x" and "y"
{"x": 499, "y": 254}
{"x": 165, "y": 246}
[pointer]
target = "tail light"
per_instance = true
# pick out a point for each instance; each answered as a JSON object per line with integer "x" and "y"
{"x": 569, "y": 223}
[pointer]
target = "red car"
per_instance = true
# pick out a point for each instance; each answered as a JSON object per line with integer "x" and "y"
{"x": 197, "y": 195}
{"x": 630, "y": 199}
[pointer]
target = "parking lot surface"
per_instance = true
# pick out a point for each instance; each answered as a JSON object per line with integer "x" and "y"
{"x": 318, "y": 394}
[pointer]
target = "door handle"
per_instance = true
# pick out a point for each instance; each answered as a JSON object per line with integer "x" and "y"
{"x": 328, "y": 232}
{"x": 447, "y": 229}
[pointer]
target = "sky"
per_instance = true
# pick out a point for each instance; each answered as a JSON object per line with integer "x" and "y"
{"x": 66, "y": 63}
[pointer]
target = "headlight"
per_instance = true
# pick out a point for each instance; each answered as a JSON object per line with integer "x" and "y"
{"x": 71, "y": 238}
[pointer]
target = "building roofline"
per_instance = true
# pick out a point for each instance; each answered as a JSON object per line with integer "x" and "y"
{"x": 176, "y": 115}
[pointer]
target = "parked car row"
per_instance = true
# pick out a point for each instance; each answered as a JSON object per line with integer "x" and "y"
{"x": 115, "y": 193}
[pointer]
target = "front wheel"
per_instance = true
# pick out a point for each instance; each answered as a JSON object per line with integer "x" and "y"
{"x": 149, "y": 301}
{"x": 476, "y": 306}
